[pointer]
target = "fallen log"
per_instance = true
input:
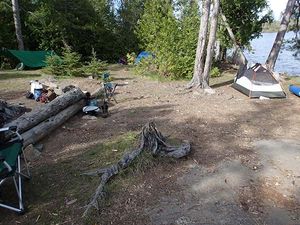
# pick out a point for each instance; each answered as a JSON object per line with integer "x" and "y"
{"x": 150, "y": 139}
{"x": 43, "y": 129}
{"x": 33, "y": 118}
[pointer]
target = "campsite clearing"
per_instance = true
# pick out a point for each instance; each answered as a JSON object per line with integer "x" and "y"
{"x": 243, "y": 169}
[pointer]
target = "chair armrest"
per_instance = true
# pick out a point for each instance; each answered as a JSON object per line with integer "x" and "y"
{"x": 4, "y": 129}
{"x": 11, "y": 128}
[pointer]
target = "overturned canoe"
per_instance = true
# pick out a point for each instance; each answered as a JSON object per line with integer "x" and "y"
{"x": 295, "y": 89}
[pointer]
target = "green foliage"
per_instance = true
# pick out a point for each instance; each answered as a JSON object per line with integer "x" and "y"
{"x": 146, "y": 66}
{"x": 271, "y": 27}
{"x": 84, "y": 24}
{"x": 95, "y": 66}
{"x": 246, "y": 19}
{"x": 129, "y": 14}
{"x": 54, "y": 65}
{"x": 171, "y": 38}
{"x": 68, "y": 65}
{"x": 7, "y": 36}
{"x": 215, "y": 72}
{"x": 130, "y": 58}
{"x": 71, "y": 62}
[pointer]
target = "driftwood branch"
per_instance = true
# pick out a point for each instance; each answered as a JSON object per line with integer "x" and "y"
{"x": 151, "y": 140}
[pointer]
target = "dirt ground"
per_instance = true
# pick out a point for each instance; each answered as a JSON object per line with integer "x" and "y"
{"x": 244, "y": 167}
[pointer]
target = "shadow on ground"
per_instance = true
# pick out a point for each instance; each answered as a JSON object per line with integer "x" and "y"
{"x": 221, "y": 182}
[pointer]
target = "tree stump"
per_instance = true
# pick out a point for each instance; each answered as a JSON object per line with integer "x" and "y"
{"x": 150, "y": 140}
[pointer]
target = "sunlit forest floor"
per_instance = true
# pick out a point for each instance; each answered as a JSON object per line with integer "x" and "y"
{"x": 244, "y": 167}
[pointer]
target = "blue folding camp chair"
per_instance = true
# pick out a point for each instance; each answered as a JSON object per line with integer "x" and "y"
{"x": 109, "y": 88}
{"x": 10, "y": 165}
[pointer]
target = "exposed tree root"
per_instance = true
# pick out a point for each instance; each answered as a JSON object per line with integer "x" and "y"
{"x": 150, "y": 140}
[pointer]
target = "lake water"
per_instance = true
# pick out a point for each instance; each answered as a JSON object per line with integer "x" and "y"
{"x": 286, "y": 62}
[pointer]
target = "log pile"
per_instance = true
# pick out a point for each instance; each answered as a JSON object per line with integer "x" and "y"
{"x": 35, "y": 125}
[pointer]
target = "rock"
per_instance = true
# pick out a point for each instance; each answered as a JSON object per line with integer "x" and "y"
{"x": 209, "y": 91}
{"x": 89, "y": 117}
{"x": 31, "y": 153}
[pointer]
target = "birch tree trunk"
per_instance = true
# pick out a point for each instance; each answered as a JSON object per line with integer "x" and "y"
{"x": 211, "y": 44}
{"x": 200, "y": 53}
{"x": 242, "y": 59}
{"x": 17, "y": 21}
{"x": 280, "y": 35}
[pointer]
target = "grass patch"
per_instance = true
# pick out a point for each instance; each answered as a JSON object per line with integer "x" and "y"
{"x": 7, "y": 75}
{"x": 57, "y": 183}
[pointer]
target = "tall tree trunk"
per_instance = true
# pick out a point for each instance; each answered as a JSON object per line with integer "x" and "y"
{"x": 280, "y": 35}
{"x": 242, "y": 59}
{"x": 17, "y": 21}
{"x": 218, "y": 51}
{"x": 210, "y": 45}
{"x": 200, "y": 53}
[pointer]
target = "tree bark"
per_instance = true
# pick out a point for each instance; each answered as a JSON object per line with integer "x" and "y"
{"x": 242, "y": 59}
{"x": 210, "y": 45}
{"x": 43, "y": 129}
{"x": 17, "y": 21}
{"x": 33, "y": 118}
{"x": 200, "y": 53}
{"x": 280, "y": 35}
{"x": 218, "y": 51}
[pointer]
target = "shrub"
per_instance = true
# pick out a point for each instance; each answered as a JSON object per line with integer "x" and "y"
{"x": 146, "y": 66}
{"x": 172, "y": 39}
{"x": 95, "y": 66}
{"x": 130, "y": 58}
{"x": 215, "y": 72}
{"x": 71, "y": 62}
{"x": 67, "y": 65}
{"x": 54, "y": 65}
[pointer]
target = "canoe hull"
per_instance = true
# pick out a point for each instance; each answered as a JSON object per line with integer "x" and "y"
{"x": 295, "y": 89}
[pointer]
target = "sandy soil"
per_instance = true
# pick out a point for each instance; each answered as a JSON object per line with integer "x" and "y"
{"x": 230, "y": 177}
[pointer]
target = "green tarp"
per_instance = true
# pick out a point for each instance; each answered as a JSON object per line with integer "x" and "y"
{"x": 31, "y": 59}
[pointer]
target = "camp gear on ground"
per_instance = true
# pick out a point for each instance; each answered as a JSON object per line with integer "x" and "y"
{"x": 29, "y": 95}
{"x": 92, "y": 102}
{"x": 37, "y": 94}
{"x": 91, "y": 109}
{"x": 295, "y": 90}
{"x": 104, "y": 109}
{"x": 51, "y": 95}
{"x": 44, "y": 98}
{"x": 35, "y": 85}
{"x": 31, "y": 59}
{"x": 258, "y": 81}
{"x": 109, "y": 89}
{"x": 106, "y": 77}
{"x": 10, "y": 166}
